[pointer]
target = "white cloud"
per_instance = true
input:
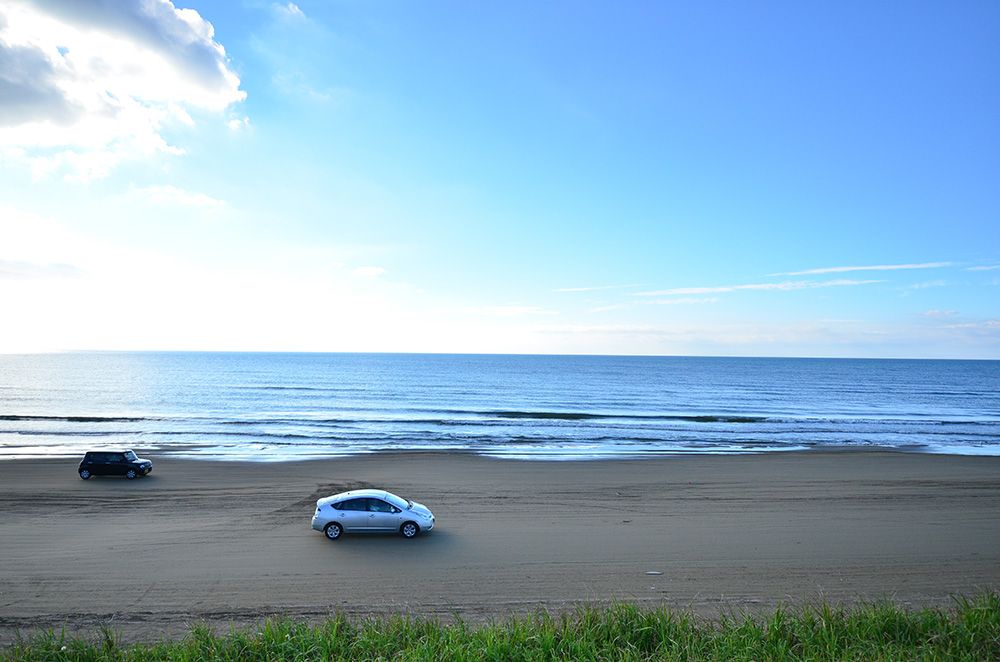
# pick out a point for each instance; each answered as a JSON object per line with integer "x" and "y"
{"x": 20, "y": 269}
{"x": 992, "y": 267}
{"x": 683, "y": 301}
{"x": 172, "y": 195}
{"x": 85, "y": 85}
{"x": 876, "y": 267}
{"x": 938, "y": 314}
{"x": 680, "y": 301}
{"x": 369, "y": 272}
{"x": 596, "y": 288}
{"x": 843, "y": 338}
{"x": 35, "y": 239}
{"x": 783, "y": 286}
{"x": 238, "y": 124}
{"x": 289, "y": 9}
{"x": 987, "y": 326}
{"x": 123, "y": 295}
{"x": 296, "y": 83}
{"x": 507, "y": 311}
{"x": 926, "y": 284}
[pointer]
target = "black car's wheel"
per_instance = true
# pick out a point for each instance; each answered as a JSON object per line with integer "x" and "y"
{"x": 85, "y": 473}
{"x": 409, "y": 529}
{"x": 333, "y": 531}
{"x": 130, "y": 474}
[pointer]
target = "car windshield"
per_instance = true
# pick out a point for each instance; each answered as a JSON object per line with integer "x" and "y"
{"x": 402, "y": 504}
{"x": 130, "y": 456}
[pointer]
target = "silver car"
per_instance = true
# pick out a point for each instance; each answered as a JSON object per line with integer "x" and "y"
{"x": 370, "y": 511}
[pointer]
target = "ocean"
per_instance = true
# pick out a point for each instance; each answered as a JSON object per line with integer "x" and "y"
{"x": 279, "y": 407}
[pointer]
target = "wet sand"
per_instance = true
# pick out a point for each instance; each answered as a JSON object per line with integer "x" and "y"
{"x": 230, "y": 543}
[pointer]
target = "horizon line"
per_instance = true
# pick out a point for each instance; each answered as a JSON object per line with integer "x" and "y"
{"x": 511, "y": 354}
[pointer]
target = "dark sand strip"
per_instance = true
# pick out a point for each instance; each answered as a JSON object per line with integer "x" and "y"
{"x": 230, "y": 542}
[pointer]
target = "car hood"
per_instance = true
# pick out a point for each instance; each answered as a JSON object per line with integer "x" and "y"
{"x": 421, "y": 509}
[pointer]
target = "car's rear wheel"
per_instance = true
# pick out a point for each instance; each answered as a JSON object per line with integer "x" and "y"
{"x": 130, "y": 474}
{"x": 409, "y": 529}
{"x": 85, "y": 474}
{"x": 333, "y": 531}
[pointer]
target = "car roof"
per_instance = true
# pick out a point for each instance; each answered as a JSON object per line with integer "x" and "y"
{"x": 356, "y": 494}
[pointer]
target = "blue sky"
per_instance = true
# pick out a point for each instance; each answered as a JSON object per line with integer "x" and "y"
{"x": 656, "y": 178}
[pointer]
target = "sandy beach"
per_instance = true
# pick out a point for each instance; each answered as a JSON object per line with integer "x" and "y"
{"x": 230, "y": 543}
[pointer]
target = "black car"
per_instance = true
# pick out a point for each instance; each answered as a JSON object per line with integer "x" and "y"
{"x": 114, "y": 463}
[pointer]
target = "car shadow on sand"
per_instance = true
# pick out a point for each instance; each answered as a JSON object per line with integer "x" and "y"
{"x": 149, "y": 481}
{"x": 392, "y": 545}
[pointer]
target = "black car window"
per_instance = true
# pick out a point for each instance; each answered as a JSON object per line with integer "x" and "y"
{"x": 379, "y": 506}
{"x": 353, "y": 504}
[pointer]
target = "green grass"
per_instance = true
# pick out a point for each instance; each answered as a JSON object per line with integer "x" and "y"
{"x": 880, "y": 631}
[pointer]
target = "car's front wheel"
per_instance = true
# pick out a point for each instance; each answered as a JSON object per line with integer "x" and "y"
{"x": 409, "y": 529}
{"x": 333, "y": 531}
{"x": 85, "y": 474}
{"x": 130, "y": 474}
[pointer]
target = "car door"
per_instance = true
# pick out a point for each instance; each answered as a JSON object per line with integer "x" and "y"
{"x": 383, "y": 516}
{"x": 102, "y": 465}
{"x": 353, "y": 514}
{"x": 117, "y": 464}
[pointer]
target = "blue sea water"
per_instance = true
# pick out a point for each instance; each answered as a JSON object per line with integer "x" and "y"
{"x": 273, "y": 407}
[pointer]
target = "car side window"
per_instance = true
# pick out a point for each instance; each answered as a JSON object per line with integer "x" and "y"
{"x": 379, "y": 506}
{"x": 353, "y": 504}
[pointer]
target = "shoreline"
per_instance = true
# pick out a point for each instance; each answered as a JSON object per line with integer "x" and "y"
{"x": 160, "y": 453}
{"x": 229, "y": 542}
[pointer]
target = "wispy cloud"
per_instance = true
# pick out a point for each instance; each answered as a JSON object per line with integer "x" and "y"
{"x": 847, "y": 338}
{"x": 594, "y": 288}
{"x": 992, "y": 267}
{"x": 368, "y": 272}
{"x": 683, "y": 301}
{"x": 508, "y": 311}
{"x": 172, "y": 195}
{"x": 873, "y": 267}
{"x": 784, "y": 286}
{"x": 680, "y": 301}
{"x": 20, "y": 269}
{"x": 239, "y": 124}
{"x": 990, "y": 325}
{"x": 289, "y": 9}
{"x": 927, "y": 284}
{"x": 938, "y": 314}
